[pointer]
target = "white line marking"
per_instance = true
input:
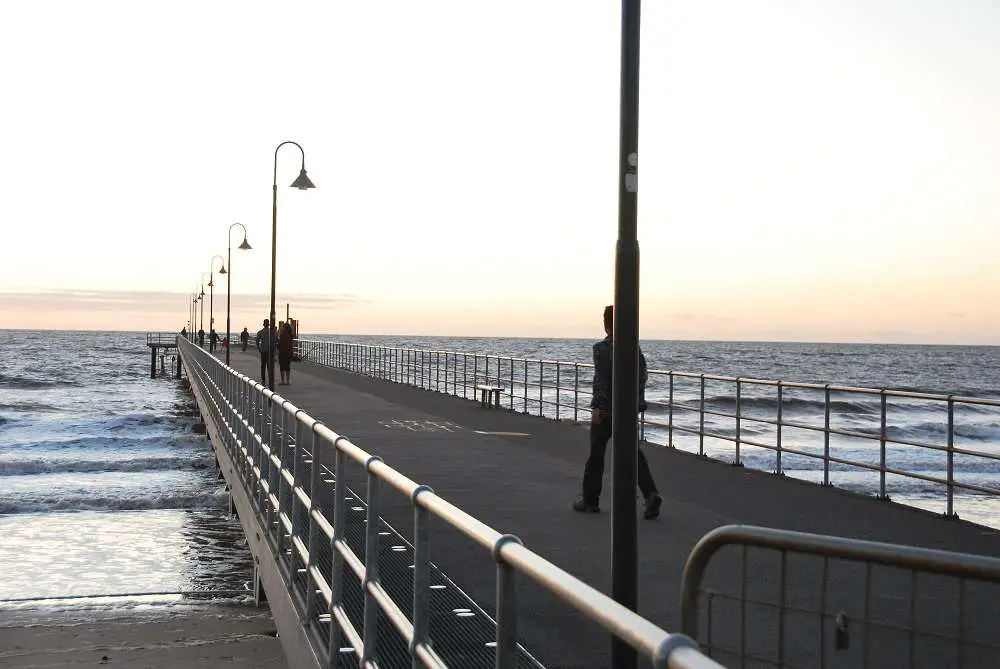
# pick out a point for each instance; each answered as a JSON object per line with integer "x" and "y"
{"x": 502, "y": 434}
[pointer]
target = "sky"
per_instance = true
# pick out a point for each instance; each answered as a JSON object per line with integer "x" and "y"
{"x": 808, "y": 171}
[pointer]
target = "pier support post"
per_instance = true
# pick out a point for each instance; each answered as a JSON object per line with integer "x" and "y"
{"x": 178, "y": 358}
{"x": 152, "y": 363}
{"x": 259, "y": 595}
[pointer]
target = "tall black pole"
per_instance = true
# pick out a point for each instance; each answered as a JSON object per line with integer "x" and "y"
{"x": 625, "y": 395}
{"x": 211, "y": 308}
{"x": 298, "y": 183}
{"x": 229, "y": 280}
{"x": 274, "y": 258}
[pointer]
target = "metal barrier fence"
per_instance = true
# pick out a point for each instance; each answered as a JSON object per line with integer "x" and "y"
{"x": 280, "y": 453}
{"x": 794, "y": 600}
{"x": 878, "y": 441}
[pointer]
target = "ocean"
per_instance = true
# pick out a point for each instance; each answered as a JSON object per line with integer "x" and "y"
{"x": 106, "y": 490}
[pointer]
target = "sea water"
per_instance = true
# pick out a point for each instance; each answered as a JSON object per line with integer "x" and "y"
{"x": 106, "y": 490}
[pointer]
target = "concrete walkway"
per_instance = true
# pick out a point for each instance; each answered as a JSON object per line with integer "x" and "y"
{"x": 520, "y": 474}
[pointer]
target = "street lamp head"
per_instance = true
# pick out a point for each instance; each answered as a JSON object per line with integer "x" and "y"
{"x": 210, "y": 284}
{"x": 223, "y": 270}
{"x": 303, "y": 182}
{"x": 245, "y": 246}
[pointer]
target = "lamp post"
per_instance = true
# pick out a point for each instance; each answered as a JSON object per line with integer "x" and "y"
{"x": 201, "y": 297}
{"x": 625, "y": 392}
{"x": 229, "y": 276}
{"x": 211, "y": 294}
{"x": 302, "y": 182}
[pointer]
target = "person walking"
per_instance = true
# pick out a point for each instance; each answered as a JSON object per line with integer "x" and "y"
{"x": 265, "y": 345}
{"x": 213, "y": 339}
{"x": 201, "y": 337}
{"x": 600, "y": 429}
{"x": 285, "y": 353}
{"x": 244, "y": 338}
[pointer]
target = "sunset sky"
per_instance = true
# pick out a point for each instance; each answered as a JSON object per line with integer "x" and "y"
{"x": 811, "y": 171}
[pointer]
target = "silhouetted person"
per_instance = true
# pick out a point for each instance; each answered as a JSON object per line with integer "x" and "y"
{"x": 265, "y": 345}
{"x": 184, "y": 332}
{"x": 213, "y": 339}
{"x": 245, "y": 338}
{"x": 600, "y": 428}
{"x": 201, "y": 337}
{"x": 285, "y": 353}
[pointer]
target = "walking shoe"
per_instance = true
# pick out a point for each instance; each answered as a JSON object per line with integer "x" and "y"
{"x": 652, "y": 508}
{"x": 583, "y": 507}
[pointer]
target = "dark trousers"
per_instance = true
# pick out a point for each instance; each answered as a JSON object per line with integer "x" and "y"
{"x": 263, "y": 367}
{"x": 600, "y": 433}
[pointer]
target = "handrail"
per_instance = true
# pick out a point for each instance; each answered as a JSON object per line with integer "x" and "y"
{"x": 962, "y": 565}
{"x": 267, "y": 435}
{"x": 561, "y": 390}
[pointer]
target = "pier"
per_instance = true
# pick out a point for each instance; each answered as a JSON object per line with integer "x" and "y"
{"x": 791, "y": 574}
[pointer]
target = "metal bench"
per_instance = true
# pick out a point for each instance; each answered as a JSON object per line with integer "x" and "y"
{"x": 489, "y": 396}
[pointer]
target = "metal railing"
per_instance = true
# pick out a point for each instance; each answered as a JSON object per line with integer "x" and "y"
{"x": 822, "y": 432}
{"x": 796, "y": 600}
{"x": 281, "y": 453}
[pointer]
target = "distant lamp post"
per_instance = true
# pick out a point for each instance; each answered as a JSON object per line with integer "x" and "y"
{"x": 229, "y": 275}
{"x": 302, "y": 182}
{"x": 211, "y": 294}
{"x": 201, "y": 297}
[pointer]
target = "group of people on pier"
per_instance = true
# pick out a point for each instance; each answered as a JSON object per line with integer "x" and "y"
{"x": 280, "y": 340}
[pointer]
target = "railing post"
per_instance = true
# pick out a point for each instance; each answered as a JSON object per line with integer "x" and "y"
{"x": 337, "y": 558}
{"x": 558, "y": 391}
{"x": 371, "y": 567}
{"x": 421, "y": 576}
{"x": 506, "y": 612}
{"x": 826, "y": 435}
{"x": 541, "y": 388}
{"x": 576, "y": 391}
{"x": 314, "y": 480}
{"x": 951, "y": 456}
{"x": 881, "y": 457}
{"x": 778, "y": 436}
{"x": 739, "y": 422}
{"x": 670, "y": 410}
{"x": 525, "y": 385}
{"x": 701, "y": 419}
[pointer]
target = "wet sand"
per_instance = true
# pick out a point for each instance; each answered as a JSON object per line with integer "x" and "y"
{"x": 150, "y": 637}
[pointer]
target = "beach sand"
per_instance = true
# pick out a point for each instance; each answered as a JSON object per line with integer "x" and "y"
{"x": 151, "y": 637}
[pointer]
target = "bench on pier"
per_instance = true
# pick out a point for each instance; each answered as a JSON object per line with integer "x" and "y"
{"x": 489, "y": 396}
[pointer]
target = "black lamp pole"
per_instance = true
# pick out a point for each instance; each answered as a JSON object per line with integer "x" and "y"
{"x": 302, "y": 182}
{"x": 625, "y": 392}
{"x": 229, "y": 276}
{"x": 211, "y": 295}
{"x": 202, "y": 298}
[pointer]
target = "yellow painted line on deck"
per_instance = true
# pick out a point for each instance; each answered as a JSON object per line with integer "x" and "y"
{"x": 502, "y": 434}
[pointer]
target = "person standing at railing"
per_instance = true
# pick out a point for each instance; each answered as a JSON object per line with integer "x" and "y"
{"x": 265, "y": 345}
{"x": 600, "y": 429}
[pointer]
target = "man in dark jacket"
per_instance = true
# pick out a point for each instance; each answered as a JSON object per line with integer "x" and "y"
{"x": 600, "y": 429}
